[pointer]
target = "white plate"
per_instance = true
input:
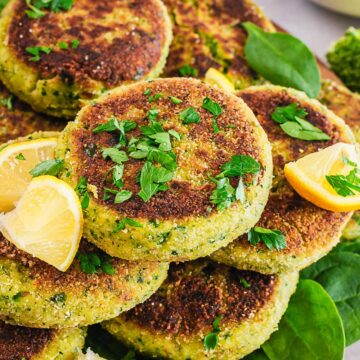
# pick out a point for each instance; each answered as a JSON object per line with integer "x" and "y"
{"x": 348, "y": 7}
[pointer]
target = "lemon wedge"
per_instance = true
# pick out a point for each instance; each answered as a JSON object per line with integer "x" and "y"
{"x": 47, "y": 222}
{"x": 308, "y": 177}
{"x": 216, "y": 78}
{"x": 16, "y": 161}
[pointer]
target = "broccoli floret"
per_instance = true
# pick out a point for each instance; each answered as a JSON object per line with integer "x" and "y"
{"x": 344, "y": 59}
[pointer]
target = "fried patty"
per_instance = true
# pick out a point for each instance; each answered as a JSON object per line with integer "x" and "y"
{"x": 174, "y": 321}
{"x": 310, "y": 232}
{"x": 35, "y": 294}
{"x": 107, "y": 44}
{"x": 39, "y": 344}
{"x": 180, "y": 223}
{"x": 209, "y": 34}
{"x": 345, "y": 104}
{"x": 17, "y": 119}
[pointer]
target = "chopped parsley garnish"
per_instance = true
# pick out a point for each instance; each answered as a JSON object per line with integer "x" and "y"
{"x": 244, "y": 283}
{"x": 152, "y": 180}
{"x": 81, "y": 189}
{"x": 48, "y": 167}
{"x": 345, "y": 185}
{"x": 215, "y": 109}
{"x": 273, "y": 239}
{"x": 91, "y": 263}
{"x": 156, "y": 97}
{"x": 187, "y": 70}
{"x": 122, "y": 196}
{"x": 189, "y": 115}
{"x": 75, "y": 44}
{"x": 36, "y": 52}
{"x": 147, "y": 92}
{"x": 292, "y": 121}
{"x": 118, "y": 173}
{"x": 225, "y": 194}
{"x": 20, "y": 157}
{"x": 17, "y": 296}
{"x": 127, "y": 221}
{"x": 63, "y": 45}
{"x": 115, "y": 155}
{"x": 175, "y": 100}
{"x": 7, "y": 102}
{"x": 211, "y": 340}
{"x": 3, "y": 3}
{"x": 52, "y": 5}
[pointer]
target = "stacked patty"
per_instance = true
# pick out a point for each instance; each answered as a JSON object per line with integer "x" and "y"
{"x": 310, "y": 232}
{"x": 181, "y": 222}
{"x": 173, "y": 323}
{"x": 38, "y": 344}
{"x": 56, "y": 61}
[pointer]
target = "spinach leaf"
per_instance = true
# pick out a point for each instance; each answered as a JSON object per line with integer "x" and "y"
{"x": 338, "y": 273}
{"x": 348, "y": 246}
{"x": 257, "y": 355}
{"x": 311, "y": 328}
{"x": 282, "y": 59}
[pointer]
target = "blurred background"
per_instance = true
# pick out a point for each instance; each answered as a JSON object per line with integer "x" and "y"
{"x": 318, "y": 28}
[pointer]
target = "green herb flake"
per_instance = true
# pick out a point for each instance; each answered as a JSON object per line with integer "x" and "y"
{"x": 115, "y": 155}
{"x": 8, "y": 102}
{"x": 188, "y": 71}
{"x": 75, "y": 44}
{"x": 58, "y": 298}
{"x": 20, "y": 157}
{"x": 189, "y": 115}
{"x": 245, "y": 283}
{"x": 215, "y": 109}
{"x": 36, "y": 52}
{"x": 127, "y": 221}
{"x": 63, "y": 45}
{"x": 48, "y": 167}
{"x": 240, "y": 165}
{"x": 211, "y": 340}
{"x": 175, "y": 100}
{"x": 3, "y": 3}
{"x": 122, "y": 196}
{"x": 81, "y": 189}
{"x": 156, "y": 97}
{"x": 17, "y": 296}
{"x": 91, "y": 263}
{"x": 292, "y": 121}
{"x": 52, "y": 5}
{"x": 273, "y": 239}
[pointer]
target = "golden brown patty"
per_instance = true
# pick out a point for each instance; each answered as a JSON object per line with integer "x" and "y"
{"x": 175, "y": 320}
{"x": 345, "y": 104}
{"x": 310, "y": 231}
{"x": 17, "y": 119}
{"x": 117, "y": 41}
{"x": 20, "y": 343}
{"x": 35, "y": 294}
{"x": 181, "y": 222}
{"x": 209, "y": 34}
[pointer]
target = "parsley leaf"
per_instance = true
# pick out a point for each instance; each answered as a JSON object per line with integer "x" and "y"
{"x": 224, "y": 194}
{"x": 63, "y": 45}
{"x": 187, "y": 70}
{"x": 215, "y": 109}
{"x": 81, "y": 189}
{"x": 292, "y": 121}
{"x": 127, "y": 221}
{"x": 122, "y": 196}
{"x": 239, "y": 165}
{"x": 75, "y": 44}
{"x": 90, "y": 263}
{"x": 175, "y": 100}
{"x": 152, "y": 179}
{"x": 48, "y": 167}
{"x": 189, "y": 115}
{"x": 273, "y": 239}
{"x": 7, "y": 102}
{"x": 211, "y": 340}
{"x": 345, "y": 184}
{"x": 115, "y": 155}
{"x": 20, "y": 157}
{"x": 36, "y": 52}
{"x": 52, "y": 5}
{"x": 118, "y": 173}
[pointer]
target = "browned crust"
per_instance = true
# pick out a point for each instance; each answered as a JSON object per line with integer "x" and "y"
{"x": 196, "y": 293}
{"x": 23, "y": 343}
{"x": 306, "y": 226}
{"x": 219, "y": 19}
{"x": 74, "y": 279}
{"x": 129, "y": 56}
{"x": 183, "y": 198}
{"x": 22, "y": 120}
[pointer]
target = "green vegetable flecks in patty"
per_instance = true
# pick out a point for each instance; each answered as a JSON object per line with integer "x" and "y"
{"x": 292, "y": 121}
{"x": 282, "y": 59}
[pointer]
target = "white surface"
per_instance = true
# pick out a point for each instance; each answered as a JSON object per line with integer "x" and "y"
{"x": 349, "y": 7}
{"x": 319, "y": 28}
